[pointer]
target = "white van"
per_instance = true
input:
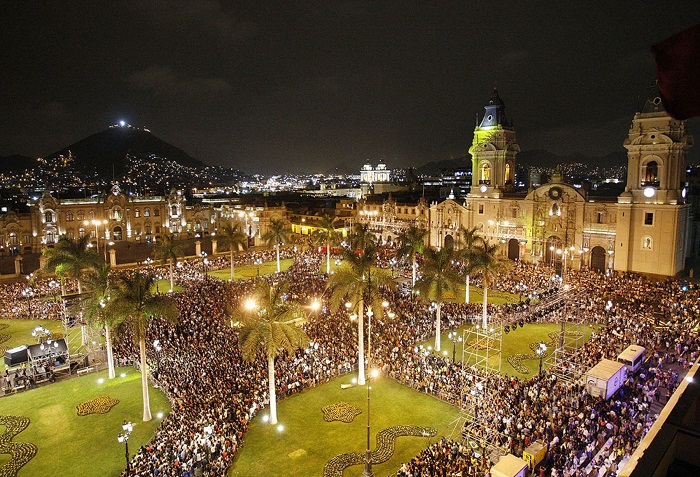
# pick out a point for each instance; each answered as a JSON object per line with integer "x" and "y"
{"x": 633, "y": 357}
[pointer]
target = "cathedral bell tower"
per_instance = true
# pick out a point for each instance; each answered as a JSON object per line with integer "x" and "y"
{"x": 656, "y": 148}
{"x": 493, "y": 151}
{"x": 652, "y": 219}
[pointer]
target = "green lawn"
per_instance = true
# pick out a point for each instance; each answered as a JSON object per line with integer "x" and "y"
{"x": 307, "y": 442}
{"x": 82, "y": 446}
{"x": 163, "y": 285}
{"x": 250, "y": 271}
{"x": 515, "y": 342}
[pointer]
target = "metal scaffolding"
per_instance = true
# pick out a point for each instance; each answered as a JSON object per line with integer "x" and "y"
{"x": 481, "y": 362}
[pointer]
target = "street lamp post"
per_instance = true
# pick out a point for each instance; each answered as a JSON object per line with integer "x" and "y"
{"x": 541, "y": 351}
{"x": 123, "y": 436}
{"x": 205, "y": 263}
{"x": 368, "y": 453}
{"x": 29, "y": 293}
{"x": 96, "y": 223}
{"x": 455, "y": 338}
{"x": 258, "y": 262}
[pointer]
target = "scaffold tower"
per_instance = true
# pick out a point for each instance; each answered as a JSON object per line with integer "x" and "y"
{"x": 481, "y": 365}
{"x": 565, "y": 362}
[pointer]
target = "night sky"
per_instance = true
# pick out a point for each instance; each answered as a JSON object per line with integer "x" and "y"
{"x": 305, "y": 86}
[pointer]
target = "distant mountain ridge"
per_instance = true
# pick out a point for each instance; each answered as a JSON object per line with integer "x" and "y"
{"x": 535, "y": 157}
{"x": 106, "y": 151}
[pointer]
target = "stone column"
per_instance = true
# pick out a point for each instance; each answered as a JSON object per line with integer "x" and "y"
{"x": 198, "y": 248}
{"x": 18, "y": 265}
{"x": 112, "y": 257}
{"x": 214, "y": 246}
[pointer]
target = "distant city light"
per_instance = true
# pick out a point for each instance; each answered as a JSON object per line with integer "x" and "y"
{"x": 122, "y": 123}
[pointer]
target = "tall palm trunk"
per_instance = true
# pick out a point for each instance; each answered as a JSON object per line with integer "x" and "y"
{"x": 144, "y": 378}
{"x": 361, "y": 344}
{"x": 233, "y": 271}
{"x": 466, "y": 290}
{"x": 271, "y": 389}
{"x": 484, "y": 317}
{"x": 437, "y": 326}
{"x": 413, "y": 267}
{"x": 80, "y": 288}
{"x": 172, "y": 276}
{"x": 328, "y": 257}
{"x": 110, "y": 354}
{"x": 278, "y": 259}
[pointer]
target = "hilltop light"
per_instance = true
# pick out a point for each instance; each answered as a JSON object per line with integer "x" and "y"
{"x": 122, "y": 123}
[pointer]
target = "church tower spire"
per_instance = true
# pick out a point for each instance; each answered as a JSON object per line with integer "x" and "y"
{"x": 493, "y": 151}
{"x": 656, "y": 148}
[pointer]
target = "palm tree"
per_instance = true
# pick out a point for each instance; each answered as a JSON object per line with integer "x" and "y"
{"x": 70, "y": 257}
{"x": 276, "y": 235}
{"x": 439, "y": 276}
{"x": 94, "y": 307}
{"x": 469, "y": 239}
{"x": 361, "y": 236}
{"x": 268, "y": 325}
{"x": 167, "y": 250}
{"x": 357, "y": 284}
{"x": 411, "y": 243}
{"x": 232, "y": 237}
{"x": 135, "y": 304}
{"x": 327, "y": 233}
{"x": 348, "y": 285}
{"x": 488, "y": 263}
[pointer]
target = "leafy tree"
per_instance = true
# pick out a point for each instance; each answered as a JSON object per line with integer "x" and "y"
{"x": 439, "y": 276}
{"x": 268, "y": 325}
{"x": 168, "y": 250}
{"x": 469, "y": 239}
{"x": 276, "y": 236}
{"x": 135, "y": 304}
{"x": 411, "y": 243}
{"x": 70, "y": 257}
{"x": 232, "y": 237}
{"x": 489, "y": 264}
{"x": 327, "y": 233}
{"x": 94, "y": 306}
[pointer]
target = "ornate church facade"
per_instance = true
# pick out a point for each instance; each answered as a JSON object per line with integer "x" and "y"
{"x": 643, "y": 230}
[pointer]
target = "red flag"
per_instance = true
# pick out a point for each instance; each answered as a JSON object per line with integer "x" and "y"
{"x": 678, "y": 73}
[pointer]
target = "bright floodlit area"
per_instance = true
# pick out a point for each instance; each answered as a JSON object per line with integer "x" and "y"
{"x": 209, "y": 360}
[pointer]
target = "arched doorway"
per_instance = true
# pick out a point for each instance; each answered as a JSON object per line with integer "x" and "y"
{"x": 449, "y": 241}
{"x": 598, "y": 259}
{"x": 117, "y": 233}
{"x": 513, "y": 249}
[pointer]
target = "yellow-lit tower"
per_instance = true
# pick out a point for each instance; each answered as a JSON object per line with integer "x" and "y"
{"x": 493, "y": 151}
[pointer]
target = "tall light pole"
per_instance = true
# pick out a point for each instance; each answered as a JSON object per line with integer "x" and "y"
{"x": 29, "y": 293}
{"x": 541, "y": 351}
{"x": 123, "y": 436}
{"x": 205, "y": 263}
{"x": 368, "y": 453}
{"x": 455, "y": 338}
{"x": 96, "y": 223}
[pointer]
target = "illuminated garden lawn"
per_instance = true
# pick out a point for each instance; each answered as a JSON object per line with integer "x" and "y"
{"x": 82, "y": 446}
{"x": 307, "y": 442}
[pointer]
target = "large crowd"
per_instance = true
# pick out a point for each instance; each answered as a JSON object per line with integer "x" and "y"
{"x": 215, "y": 393}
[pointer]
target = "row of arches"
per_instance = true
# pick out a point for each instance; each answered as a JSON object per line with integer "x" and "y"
{"x": 598, "y": 255}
